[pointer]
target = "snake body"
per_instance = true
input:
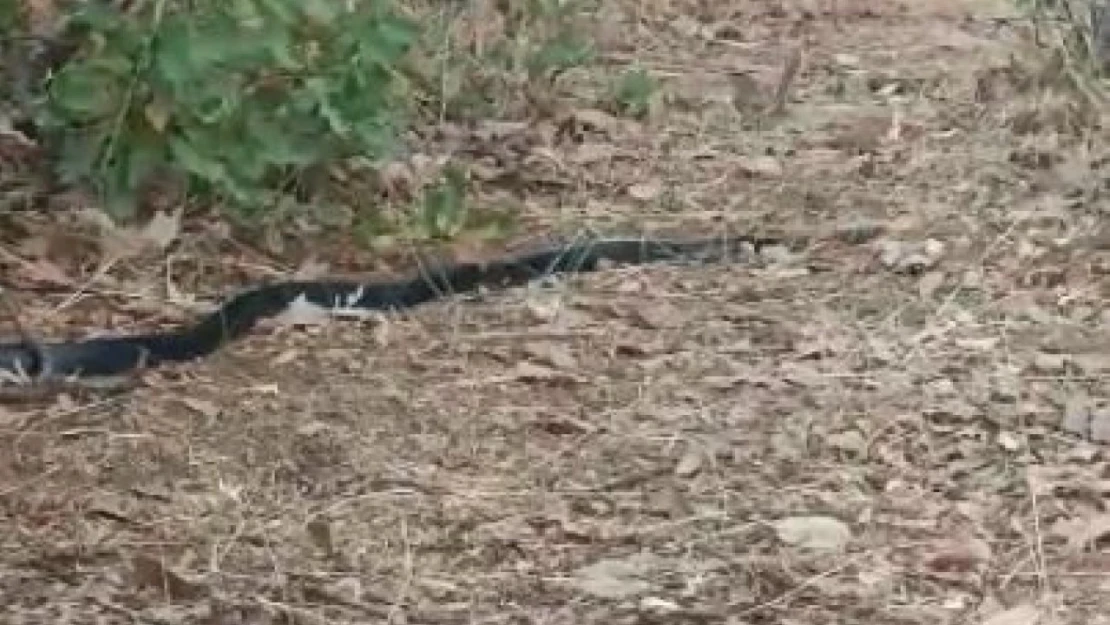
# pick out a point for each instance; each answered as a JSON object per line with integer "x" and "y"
{"x": 115, "y": 355}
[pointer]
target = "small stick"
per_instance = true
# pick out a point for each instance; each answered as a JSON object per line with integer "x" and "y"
{"x": 782, "y": 89}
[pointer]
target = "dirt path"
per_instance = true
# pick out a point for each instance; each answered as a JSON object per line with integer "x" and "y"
{"x": 897, "y": 438}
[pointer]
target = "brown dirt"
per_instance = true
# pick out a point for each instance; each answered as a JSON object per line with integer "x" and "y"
{"x": 911, "y": 434}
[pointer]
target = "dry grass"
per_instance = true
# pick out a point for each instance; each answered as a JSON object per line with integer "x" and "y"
{"x": 818, "y": 438}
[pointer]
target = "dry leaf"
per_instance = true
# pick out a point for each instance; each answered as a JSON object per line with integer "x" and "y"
{"x": 615, "y": 579}
{"x": 865, "y": 134}
{"x": 1047, "y": 361}
{"x": 1077, "y": 415}
{"x": 347, "y": 590}
{"x": 657, "y": 316}
{"x": 563, "y": 425}
{"x": 658, "y": 605}
{"x": 849, "y": 441}
{"x": 1083, "y": 533}
{"x": 984, "y": 344}
{"x": 398, "y": 180}
{"x": 760, "y": 167}
{"x": 1009, "y": 441}
{"x": 589, "y": 153}
{"x": 344, "y": 591}
{"x": 120, "y": 243}
{"x": 158, "y": 114}
{"x": 203, "y": 407}
{"x": 690, "y": 463}
{"x": 958, "y": 555}
{"x": 150, "y": 573}
{"x": 1100, "y": 426}
{"x": 903, "y": 256}
{"x": 1092, "y": 364}
{"x": 311, "y": 269}
{"x": 1024, "y": 614}
{"x": 109, "y": 507}
{"x": 596, "y": 119}
{"x": 286, "y": 357}
{"x": 645, "y": 191}
{"x": 814, "y": 533}
{"x": 553, "y": 355}
{"x": 543, "y": 310}
{"x": 43, "y": 271}
{"x": 319, "y": 530}
{"x": 162, "y": 229}
{"x": 929, "y": 283}
{"x": 746, "y": 94}
{"x": 532, "y": 372}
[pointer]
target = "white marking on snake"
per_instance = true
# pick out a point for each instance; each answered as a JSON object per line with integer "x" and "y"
{"x": 302, "y": 312}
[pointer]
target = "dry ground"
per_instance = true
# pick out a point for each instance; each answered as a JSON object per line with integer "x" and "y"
{"x": 822, "y": 437}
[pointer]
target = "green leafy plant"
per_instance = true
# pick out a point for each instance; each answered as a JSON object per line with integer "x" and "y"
{"x": 634, "y": 92}
{"x": 442, "y": 212}
{"x": 10, "y": 18}
{"x": 240, "y": 95}
{"x": 253, "y": 103}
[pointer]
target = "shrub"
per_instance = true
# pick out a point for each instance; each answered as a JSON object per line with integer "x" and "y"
{"x": 237, "y": 94}
{"x": 249, "y": 100}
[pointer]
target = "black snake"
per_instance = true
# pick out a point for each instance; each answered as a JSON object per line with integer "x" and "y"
{"x": 115, "y": 355}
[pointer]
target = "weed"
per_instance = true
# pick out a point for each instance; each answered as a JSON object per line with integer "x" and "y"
{"x": 442, "y": 212}
{"x": 634, "y": 92}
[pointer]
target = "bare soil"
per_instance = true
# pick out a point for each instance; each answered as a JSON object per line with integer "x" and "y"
{"x": 910, "y": 430}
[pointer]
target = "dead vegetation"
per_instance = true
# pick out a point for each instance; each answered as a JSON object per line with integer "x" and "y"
{"x": 907, "y": 431}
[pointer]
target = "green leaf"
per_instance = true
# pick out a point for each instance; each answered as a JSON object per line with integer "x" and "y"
{"x": 443, "y": 210}
{"x": 10, "y": 15}
{"x": 196, "y": 162}
{"x": 88, "y": 91}
{"x": 80, "y": 151}
{"x": 634, "y": 92}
